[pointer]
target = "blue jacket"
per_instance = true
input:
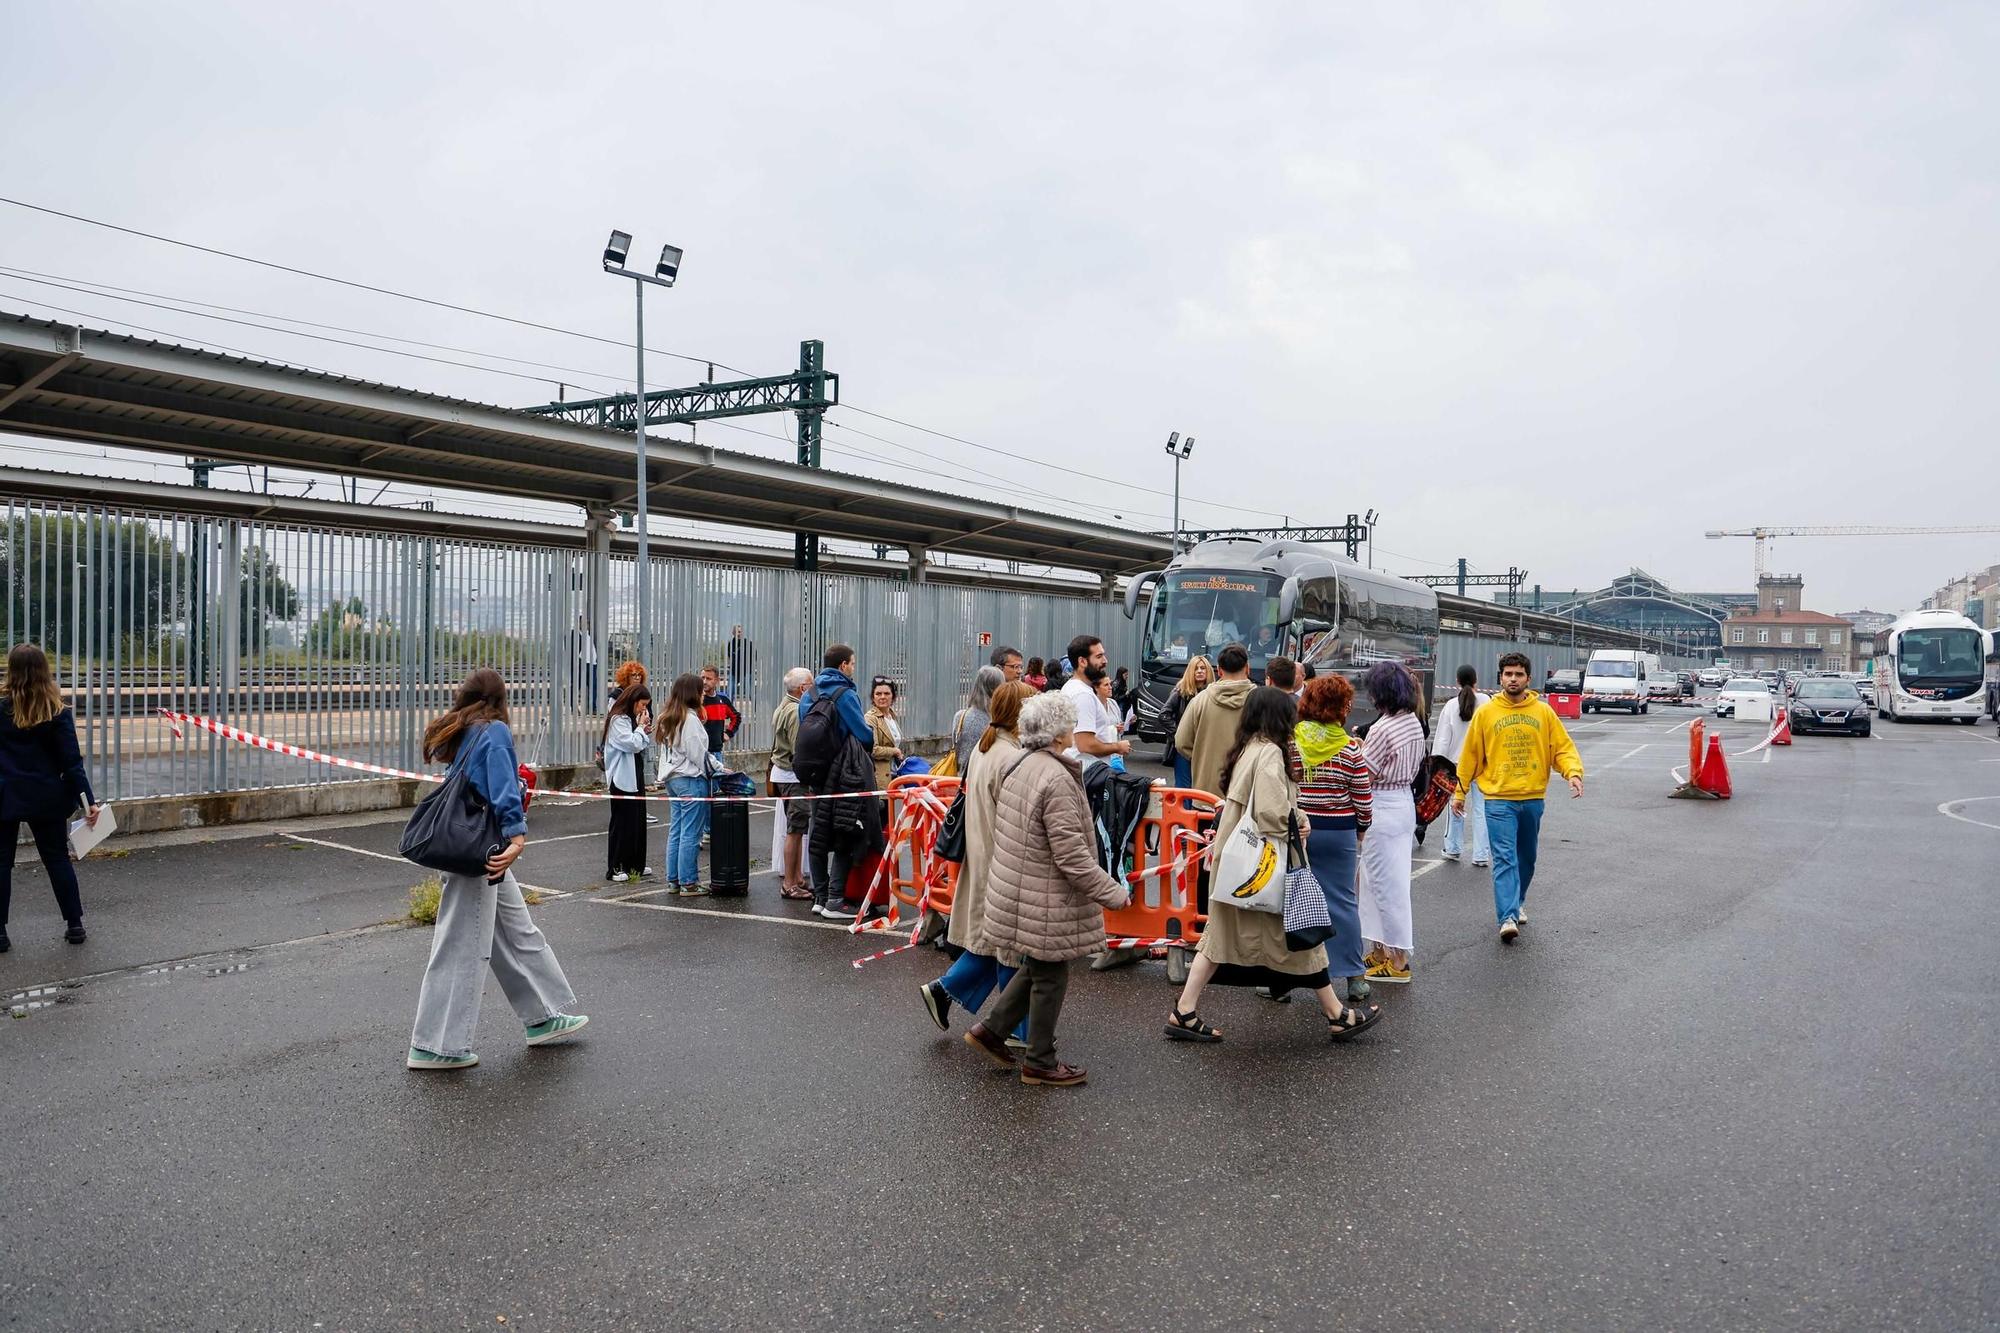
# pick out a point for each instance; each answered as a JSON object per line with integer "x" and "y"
{"x": 486, "y": 752}
{"x": 848, "y": 706}
{"x": 41, "y": 769}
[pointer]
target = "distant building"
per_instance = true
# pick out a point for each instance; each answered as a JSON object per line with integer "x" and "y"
{"x": 1976, "y": 596}
{"x": 1778, "y": 634}
{"x": 1638, "y": 602}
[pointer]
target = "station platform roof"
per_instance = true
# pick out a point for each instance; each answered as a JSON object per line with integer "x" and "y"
{"x": 63, "y": 382}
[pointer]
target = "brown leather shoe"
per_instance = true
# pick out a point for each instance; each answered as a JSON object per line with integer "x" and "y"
{"x": 1062, "y": 1076}
{"x": 992, "y": 1047}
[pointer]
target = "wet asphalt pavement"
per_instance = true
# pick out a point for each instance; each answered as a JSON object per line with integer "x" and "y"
{"x": 1738, "y": 1071}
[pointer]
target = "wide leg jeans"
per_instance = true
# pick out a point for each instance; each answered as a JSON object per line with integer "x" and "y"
{"x": 481, "y": 925}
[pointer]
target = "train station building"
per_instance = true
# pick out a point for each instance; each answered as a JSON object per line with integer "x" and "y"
{"x": 1779, "y": 633}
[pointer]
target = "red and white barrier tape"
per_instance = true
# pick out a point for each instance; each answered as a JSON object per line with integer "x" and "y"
{"x": 227, "y": 732}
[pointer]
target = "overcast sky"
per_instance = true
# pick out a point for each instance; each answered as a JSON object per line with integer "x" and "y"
{"x": 1554, "y": 285}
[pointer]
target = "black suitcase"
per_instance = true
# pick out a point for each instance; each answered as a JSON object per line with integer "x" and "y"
{"x": 729, "y": 849}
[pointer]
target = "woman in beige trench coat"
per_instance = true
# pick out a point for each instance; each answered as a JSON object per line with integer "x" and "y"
{"x": 1246, "y": 948}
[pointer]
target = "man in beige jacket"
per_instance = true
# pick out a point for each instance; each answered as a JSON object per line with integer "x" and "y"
{"x": 1208, "y": 726}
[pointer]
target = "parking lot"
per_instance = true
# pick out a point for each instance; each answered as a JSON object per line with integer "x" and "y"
{"x": 1737, "y": 1071}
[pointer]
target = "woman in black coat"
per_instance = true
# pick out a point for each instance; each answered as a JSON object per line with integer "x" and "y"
{"x": 42, "y": 782}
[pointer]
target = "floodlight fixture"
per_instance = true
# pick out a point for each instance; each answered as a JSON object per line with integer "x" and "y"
{"x": 617, "y": 248}
{"x": 670, "y": 264}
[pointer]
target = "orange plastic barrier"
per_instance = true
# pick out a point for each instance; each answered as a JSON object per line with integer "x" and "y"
{"x": 1166, "y": 868}
{"x": 916, "y": 874}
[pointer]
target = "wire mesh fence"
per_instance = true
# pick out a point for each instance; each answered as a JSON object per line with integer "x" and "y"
{"x": 349, "y": 642}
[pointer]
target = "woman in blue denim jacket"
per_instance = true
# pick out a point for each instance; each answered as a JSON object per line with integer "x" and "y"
{"x": 482, "y": 920}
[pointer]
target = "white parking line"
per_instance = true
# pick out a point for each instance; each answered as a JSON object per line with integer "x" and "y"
{"x": 1950, "y": 810}
{"x": 384, "y": 856}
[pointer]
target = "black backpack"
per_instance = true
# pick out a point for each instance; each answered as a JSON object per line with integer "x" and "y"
{"x": 818, "y": 743}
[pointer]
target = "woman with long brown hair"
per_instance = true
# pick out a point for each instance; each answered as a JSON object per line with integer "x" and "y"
{"x": 42, "y": 782}
{"x": 624, "y": 745}
{"x": 973, "y": 975}
{"x": 683, "y": 742}
{"x": 482, "y": 920}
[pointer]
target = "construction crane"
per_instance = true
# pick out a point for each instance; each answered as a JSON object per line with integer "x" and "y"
{"x": 1764, "y": 534}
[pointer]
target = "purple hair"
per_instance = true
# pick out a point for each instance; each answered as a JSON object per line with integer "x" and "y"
{"x": 1390, "y": 688}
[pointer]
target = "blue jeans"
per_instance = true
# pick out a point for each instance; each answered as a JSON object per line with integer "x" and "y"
{"x": 1516, "y": 830}
{"x": 1475, "y": 815}
{"x": 685, "y": 822}
{"x": 972, "y": 978}
{"x": 1183, "y": 770}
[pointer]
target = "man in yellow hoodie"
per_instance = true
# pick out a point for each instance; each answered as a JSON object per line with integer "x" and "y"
{"x": 1510, "y": 746}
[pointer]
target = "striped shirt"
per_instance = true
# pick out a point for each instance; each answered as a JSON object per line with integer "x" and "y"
{"x": 1395, "y": 750}
{"x": 1338, "y": 790}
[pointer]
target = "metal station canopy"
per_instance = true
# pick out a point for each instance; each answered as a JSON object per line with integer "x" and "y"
{"x": 59, "y": 381}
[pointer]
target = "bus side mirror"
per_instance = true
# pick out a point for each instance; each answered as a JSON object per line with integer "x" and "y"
{"x": 1288, "y": 600}
{"x": 1138, "y": 585}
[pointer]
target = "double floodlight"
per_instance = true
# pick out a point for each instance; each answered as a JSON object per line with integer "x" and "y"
{"x": 620, "y": 245}
{"x": 1178, "y": 447}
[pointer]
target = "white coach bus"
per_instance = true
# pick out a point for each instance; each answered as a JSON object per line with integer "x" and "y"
{"x": 1931, "y": 664}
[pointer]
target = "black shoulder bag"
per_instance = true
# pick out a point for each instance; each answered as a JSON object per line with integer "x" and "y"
{"x": 453, "y": 830}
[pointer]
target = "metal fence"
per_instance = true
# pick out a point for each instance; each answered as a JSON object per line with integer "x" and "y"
{"x": 1455, "y": 649}
{"x": 349, "y": 642}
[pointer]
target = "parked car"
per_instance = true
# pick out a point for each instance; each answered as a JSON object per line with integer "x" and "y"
{"x": 1829, "y": 704}
{"x": 1736, "y": 691}
{"x": 1569, "y": 680}
{"x": 1689, "y": 683}
{"x": 1714, "y": 678}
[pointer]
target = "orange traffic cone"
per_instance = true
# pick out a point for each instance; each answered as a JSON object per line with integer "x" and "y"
{"x": 1782, "y": 732}
{"x": 1694, "y": 749}
{"x": 1715, "y": 771}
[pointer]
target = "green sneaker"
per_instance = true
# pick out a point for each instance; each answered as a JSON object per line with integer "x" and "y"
{"x": 423, "y": 1059}
{"x": 555, "y": 1029}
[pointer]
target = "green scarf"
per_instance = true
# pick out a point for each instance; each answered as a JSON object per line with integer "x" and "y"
{"x": 1320, "y": 741}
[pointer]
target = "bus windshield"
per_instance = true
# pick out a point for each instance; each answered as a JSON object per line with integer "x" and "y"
{"x": 1938, "y": 656}
{"x": 1199, "y": 614}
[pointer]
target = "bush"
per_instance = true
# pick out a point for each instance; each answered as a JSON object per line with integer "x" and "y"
{"x": 424, "y": 901}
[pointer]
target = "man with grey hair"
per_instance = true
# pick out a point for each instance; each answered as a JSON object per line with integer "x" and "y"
{"x": 793, "y": 814}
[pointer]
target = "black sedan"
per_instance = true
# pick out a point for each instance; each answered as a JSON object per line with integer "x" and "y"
{"x": 1829, "y": 704}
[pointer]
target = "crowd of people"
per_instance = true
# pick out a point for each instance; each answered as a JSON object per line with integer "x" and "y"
{"x": 1032, "y": 889}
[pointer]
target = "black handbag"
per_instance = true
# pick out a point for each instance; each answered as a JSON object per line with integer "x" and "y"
{"x": 453, "y": 830}
{"x": 950, "y": 844}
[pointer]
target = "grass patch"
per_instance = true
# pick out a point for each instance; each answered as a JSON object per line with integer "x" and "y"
{"x": 424, "y": 900}
{"x": 532, "y": 897}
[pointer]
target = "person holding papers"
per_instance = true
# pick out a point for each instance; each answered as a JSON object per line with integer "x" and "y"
{"x": 42, "y": 782}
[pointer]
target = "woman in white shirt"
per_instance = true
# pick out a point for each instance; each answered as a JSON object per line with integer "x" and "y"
{"x": 1448, "y": 741}
{"x": 625, "y": 743}
{"x": 684, "y": 760}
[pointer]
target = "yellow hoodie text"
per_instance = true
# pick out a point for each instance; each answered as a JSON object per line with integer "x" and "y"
{"x": 1510, "y": 748}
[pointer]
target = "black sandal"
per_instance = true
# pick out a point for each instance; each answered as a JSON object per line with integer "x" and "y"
{"x": 1190, "y": 1027}
{"x": 1353, "y": 1021}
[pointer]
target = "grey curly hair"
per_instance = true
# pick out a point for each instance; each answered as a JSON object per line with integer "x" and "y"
{"x": 1046, "y": 720}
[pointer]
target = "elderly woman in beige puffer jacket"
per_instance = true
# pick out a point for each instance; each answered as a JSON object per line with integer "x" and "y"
{"x": 1045, "y": 892}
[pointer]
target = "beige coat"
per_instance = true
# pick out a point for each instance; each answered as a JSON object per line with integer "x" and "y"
{"x": 1208, "y": 729}
{"x": 1257, "y": 939}
{"x": 1045, "y": 892}
{"x": 884, "y": 749}
{"x": 981, "y": 785}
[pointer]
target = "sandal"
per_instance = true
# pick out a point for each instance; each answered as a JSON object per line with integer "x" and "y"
{"x": 794, "y": 893}
{"x": 1190, "y": 1027}
{"x": 1352, "y": 1022}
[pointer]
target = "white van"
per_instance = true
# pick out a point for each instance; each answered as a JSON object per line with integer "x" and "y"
{"x": 1618, "y": 678}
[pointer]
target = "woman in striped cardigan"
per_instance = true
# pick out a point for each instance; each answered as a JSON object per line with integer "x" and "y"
{"x": 1335, "y": 798}
{"x": 1394, "y": 750}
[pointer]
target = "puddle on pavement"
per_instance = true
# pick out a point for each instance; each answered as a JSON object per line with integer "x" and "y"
{"x": 168, "y": 971}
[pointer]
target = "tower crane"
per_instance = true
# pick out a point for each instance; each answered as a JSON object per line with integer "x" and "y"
{"x": 1764, "y": 534}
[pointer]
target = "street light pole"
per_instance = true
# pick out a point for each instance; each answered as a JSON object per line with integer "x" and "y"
{"x": 1180, "y": 450}
{"x": 663, "y": 275}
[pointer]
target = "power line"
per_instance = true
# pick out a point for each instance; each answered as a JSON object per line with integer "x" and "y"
{"x": 114, "y": 292}
{"x": 1057, "y": 467}
{"x": 359, "y": 286}
{"x": 273, "y": 328}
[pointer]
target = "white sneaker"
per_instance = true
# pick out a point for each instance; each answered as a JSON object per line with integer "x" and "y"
{"x": 836, "y": 912}
{"x": 647, "y": 872}
{"x": 1481, "y": 861}
{"x": 620, "y": 878}
{"x": 1508, "y": 930}
{"x": 1521, "y": 915}
{"x": 652, "y": 819}
{"x": 1452, "y": 856}
{"x": 819, "y": 909}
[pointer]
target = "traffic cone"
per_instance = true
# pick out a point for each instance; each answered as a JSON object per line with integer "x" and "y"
{"x": 1694, "y": 749}
{"x": 1781, "y": 733}
{"x": 1715, "y": 771}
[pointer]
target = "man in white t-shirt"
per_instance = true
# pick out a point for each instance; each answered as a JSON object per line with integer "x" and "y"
{"x": 1087, "y": 650}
